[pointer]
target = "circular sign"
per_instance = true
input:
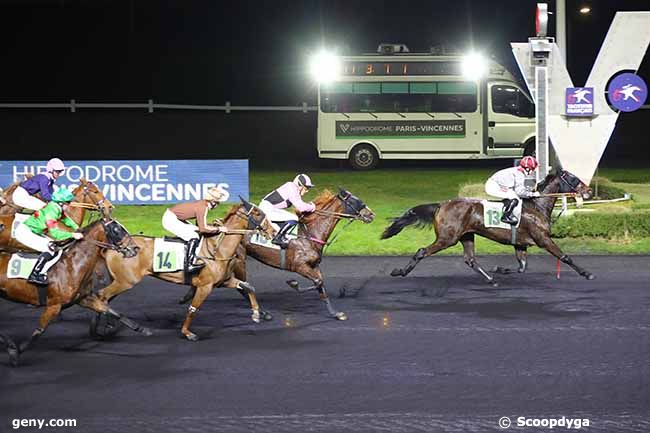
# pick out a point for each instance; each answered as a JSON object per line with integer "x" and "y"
{"x": 627, "y": 92}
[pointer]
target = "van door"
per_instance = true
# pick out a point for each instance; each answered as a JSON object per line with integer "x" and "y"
{"x": 511, "y": 119}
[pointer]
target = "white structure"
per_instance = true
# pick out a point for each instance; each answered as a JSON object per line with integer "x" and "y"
{"x": 580, "y": 142}
{"x": 395, "y": 104}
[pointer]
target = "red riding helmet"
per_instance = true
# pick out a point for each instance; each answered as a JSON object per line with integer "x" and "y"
{"x": 528, "y": 162}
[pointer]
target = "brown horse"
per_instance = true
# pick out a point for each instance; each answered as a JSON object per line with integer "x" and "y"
{"x": 217, "y": 252}
{"x": 70, "y": 282}
{"x": 86, "y": 196}
{"x": 305, "y": 253}
{"x": 459, "y": 219}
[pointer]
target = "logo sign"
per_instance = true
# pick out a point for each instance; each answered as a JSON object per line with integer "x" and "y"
{"x": 401, "y": 128}
{"x": 143, "y": 182}
{"x": 579, "y": 101}
{"x": 627, "y": 92}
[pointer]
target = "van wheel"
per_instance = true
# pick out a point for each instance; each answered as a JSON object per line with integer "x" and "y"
{"x": 529, "y": 149}
{"x": 363, "y": 157}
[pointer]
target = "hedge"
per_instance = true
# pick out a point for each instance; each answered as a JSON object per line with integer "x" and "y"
{"x": 603, "y": 225}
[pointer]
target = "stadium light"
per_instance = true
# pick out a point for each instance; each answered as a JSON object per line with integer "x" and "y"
{"x": 585, "y": 10}
{"x": 474, "y": 66}
{"x": 325, "y": 67}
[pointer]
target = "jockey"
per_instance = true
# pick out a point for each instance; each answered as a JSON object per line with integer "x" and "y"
{"x": 285, "y": 196}
{"x": 175, "y": 220}
{"x": 31, "y": 232}
{"x": 42, "y": 183}
{"x": 508, "y": 184}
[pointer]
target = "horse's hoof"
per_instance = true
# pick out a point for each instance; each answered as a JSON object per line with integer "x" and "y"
{"x": 590, "y": 276}
{"x": 341, "y": 316}
{"x": 256, "y": 316}
{"x": 293, "y": 284}
{"x": 146, "y": 332}
{"x": 494, "y": 284}
{"x": 266, "y": 316}
{"x": 191, "y": 336}
{"x": 396, "y": 273}
{"x": 103, "y": 326}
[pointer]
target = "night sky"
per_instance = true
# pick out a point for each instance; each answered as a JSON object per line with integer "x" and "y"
{"x": 250, "y": 52}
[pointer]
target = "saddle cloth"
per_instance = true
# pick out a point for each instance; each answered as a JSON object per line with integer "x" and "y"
{"x": 259, "y": 239}
{"x": 169, "y": 254}
{"x": 493, "y": 210}
{"x": 21, "y": 264}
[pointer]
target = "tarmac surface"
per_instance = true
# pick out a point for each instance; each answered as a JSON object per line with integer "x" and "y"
{"x": 436, "y": 351}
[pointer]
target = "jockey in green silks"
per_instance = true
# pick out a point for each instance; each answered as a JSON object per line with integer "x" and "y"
{"x": 40, "y": 229}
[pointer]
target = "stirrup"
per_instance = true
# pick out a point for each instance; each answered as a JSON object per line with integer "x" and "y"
{"x": 510, "y": 219}
{"x": 37, "y": 278}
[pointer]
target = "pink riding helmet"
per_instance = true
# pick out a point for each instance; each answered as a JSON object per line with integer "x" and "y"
{"x": 54, "y": 164}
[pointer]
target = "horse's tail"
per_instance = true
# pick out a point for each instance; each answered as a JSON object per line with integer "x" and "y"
{"x": 421, "y": 215}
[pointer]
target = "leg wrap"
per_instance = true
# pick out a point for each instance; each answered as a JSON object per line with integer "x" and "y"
{"x": 248, "y": 288}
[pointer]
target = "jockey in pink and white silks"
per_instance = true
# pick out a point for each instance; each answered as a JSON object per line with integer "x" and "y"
{"x": 509, "y": 184}
{"x": 42, "y": 183}
{"x": 285, "y": 196}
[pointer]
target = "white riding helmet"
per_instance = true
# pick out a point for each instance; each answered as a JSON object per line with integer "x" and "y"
{"x": 217, "y": 193}
{"x": 303, "y": 180}
{"x": 54, "y": 164}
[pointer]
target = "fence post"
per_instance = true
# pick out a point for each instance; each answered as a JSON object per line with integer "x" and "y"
{"x": 73, "y": 108}
{"x": 227, "y": 107}
{"x": 150, "y": 105}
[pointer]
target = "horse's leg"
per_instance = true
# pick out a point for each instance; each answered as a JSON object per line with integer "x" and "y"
{"x": 12, "y": 349}
{"x": 439, "y": 245}
{"x": 470, "y": 258}
{"x": 545, "y": 241}
{"x": 92, "y": 302}
{"x": 239, "y": 270}
{"x": 316, "y": 276}
{"x": 51, "y": 311}
{"x": 249, "y": 290}
{"x": 111, "y": 321}
{"x": 520, "y": 253}
{"x": 201, "y": 294}
{"x": 522, "y": 258}
{"x": 188, "y": 296}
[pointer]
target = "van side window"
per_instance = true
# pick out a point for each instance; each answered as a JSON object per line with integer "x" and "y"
{"x": 511, "y": 100}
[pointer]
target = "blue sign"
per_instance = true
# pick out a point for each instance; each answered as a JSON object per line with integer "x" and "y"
{"x": 579, "y": 101}
{"x": 627, "y": 92}
{"x": 144, "y": 182}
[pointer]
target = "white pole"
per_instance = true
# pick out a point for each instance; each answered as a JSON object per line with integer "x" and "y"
{"x": 560, "y": 27}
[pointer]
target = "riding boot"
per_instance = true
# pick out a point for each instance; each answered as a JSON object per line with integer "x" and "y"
{"x": 190, "y": 256}
{"x": 509, "y": 206}
{"x": 280, "y": 238}
{"x": 37, "y": 277}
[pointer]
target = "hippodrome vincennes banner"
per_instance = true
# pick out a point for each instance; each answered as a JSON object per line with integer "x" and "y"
{"x": 146, "y": 181}
{"x": 401, "y": 128}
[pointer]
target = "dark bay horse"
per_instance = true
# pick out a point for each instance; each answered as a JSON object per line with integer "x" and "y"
{"x": 305, "y": 253}
{"x": 86, "y": 196}
{"x": 70, "y": 282}
{"x": 217, "y": 252}
{"x": 460, "y": 219}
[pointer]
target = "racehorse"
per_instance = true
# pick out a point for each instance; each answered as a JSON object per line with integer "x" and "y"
{"x": 305, "y": 253}
{"x": 70, "y": 282}
{"x": 217, "y": 252}
{"x": 86, "y": 196}
{"x": 461, "y": 218}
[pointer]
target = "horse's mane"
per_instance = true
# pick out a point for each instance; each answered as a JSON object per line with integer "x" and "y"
{"x": 544, "y": 183}
{"x": 90, "y": 226}
{"x": 231, "y": 212}
{"x": 323, "y": 199}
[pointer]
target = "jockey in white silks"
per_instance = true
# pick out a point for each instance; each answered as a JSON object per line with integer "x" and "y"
{"x": 509, "y": 184}
{"x": 285, "y": 196}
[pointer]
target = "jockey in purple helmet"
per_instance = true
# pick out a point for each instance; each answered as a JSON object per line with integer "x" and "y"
{"x": 42, "y": 183}
{"x": 285, "y": 196}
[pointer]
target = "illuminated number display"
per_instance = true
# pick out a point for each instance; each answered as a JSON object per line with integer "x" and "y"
{"x": 354, "y": 68}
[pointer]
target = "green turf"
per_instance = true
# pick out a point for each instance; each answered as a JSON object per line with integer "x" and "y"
{"x": 389, "y": 192}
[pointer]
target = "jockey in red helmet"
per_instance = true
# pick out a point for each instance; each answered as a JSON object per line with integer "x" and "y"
{"x": 509, "y": 184}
